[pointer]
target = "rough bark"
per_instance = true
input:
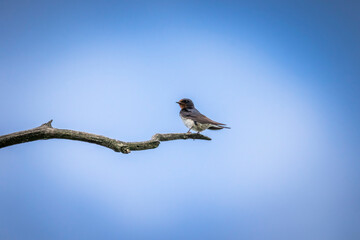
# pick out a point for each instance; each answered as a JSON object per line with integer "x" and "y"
{"x": 46, "y": 131}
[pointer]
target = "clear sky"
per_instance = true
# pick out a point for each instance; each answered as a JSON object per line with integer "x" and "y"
{"x": 283, "y": 74}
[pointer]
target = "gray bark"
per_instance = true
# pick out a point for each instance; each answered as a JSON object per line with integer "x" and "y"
{"x": 46, "y": 131}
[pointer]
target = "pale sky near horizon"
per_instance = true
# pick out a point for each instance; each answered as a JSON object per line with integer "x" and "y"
{"x": 283, "y": 76}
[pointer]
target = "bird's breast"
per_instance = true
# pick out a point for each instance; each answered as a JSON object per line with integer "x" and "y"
{"x": 188, "y": 122}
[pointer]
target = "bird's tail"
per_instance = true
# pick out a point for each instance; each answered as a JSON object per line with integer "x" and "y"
{"x": 216, "y": 127}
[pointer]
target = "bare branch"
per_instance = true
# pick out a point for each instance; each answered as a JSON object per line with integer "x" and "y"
{"x": 46, "y": 131}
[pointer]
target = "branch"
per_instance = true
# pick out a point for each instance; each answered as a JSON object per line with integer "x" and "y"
{"x": 46, "y": 131}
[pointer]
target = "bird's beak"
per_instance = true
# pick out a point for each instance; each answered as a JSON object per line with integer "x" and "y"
{"x": 177, "y": 102}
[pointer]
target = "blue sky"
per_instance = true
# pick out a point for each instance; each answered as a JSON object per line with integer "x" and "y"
{"x": 284, "y": 76}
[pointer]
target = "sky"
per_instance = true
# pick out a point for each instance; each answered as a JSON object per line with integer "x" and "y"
{"x": 283, "y": 75}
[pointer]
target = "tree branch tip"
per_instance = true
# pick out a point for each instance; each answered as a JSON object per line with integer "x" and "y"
{"x": 198, "y": 136}
{"x": 48, "y": 124}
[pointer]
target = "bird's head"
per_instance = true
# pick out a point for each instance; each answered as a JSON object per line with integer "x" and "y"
{"x": 185, "y": 103}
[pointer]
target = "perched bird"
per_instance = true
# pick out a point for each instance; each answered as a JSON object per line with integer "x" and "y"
{"x": 194, "y": 120}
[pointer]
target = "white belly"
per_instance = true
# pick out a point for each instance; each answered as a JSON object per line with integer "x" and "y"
{"x": 191, "y": 125}
{"x": 188, "y": 122}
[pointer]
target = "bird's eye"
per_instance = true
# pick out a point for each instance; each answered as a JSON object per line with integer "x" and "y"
{"x": 186, "y": 101}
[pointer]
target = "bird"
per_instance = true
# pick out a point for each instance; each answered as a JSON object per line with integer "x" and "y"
{"x": 194, "y": 120}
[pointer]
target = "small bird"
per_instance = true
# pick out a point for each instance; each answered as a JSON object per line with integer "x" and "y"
{"x": 194, "y": 120}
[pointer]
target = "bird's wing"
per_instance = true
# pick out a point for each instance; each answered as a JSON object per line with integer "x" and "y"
{"x": 198, "y": 117}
